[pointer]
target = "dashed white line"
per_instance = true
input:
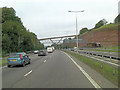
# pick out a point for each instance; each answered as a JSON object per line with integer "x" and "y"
{"x": 28, "y": 73}
{"x": 88, "y": 77}
{"x": 45, "y": 61}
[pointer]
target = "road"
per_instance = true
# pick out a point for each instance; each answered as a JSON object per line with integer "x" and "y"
{"x": 55, "y": 70}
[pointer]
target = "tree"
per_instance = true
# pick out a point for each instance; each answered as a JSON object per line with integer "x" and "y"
{"x": 8, "y": 14}
{"x": 26, "y": 45}
{"x": 83, "y": 30}
{"x": 15, "y": 36}
{"x": 100, "y": 23}
{"x": 6, "y": 42}
{"x": 117, "y": 19}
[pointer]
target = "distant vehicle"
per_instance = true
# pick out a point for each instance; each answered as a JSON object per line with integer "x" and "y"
{"x": 53, "y": 48}
{"x": 93, "y": 45}
{"x": 72, "y": 49}
{"x": 18, "y": 59}
{"x": 42, "y": 53}
{"x": 28, "y": 51}
{"x": 81, "y": 48}
{"x": 36, "y": 51}
{"x": 75, "y": 49}
{"x": 49, "y": 49}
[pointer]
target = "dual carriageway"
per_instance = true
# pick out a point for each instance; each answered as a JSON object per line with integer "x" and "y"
{"x": 57, "y": 70}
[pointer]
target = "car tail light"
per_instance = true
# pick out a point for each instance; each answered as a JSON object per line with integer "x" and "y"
{"x": 20, "y": 56}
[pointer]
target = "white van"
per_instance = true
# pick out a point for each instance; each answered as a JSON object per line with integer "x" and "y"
{"x": 49, "y": 49}
{"x": 53, "y": 48}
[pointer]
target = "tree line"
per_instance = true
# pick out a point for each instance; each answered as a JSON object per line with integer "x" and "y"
{"x": 99, "y": 24}
{"x": 15, "y": 37}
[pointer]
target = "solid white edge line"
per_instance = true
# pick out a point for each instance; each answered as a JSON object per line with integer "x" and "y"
{"x": 88, "y": 77}
{"x": 28, "y": 73}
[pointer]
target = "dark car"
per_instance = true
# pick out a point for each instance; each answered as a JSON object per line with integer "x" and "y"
{"x": 42, "y": 53}
{"x": 18, "y": 59}
{"x": 72, "y": 49}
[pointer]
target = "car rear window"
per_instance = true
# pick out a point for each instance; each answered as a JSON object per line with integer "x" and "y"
{"x": 41, "y": 51}
{"x": 14, "y": 56}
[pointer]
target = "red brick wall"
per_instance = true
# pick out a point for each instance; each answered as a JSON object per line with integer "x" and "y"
{"x": 107, "y": 37}
{"x": 104, "y": 37}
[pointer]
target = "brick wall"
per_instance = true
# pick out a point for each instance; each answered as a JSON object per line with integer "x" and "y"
{"x": 107, "y": 37}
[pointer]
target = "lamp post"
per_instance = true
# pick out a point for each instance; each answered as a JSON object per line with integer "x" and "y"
{"x": 76, "y": 26}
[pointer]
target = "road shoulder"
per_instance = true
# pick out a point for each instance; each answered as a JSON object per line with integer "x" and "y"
{"x": 97, "y": 77}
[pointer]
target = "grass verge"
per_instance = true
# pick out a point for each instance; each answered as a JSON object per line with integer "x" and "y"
{"x": 109, "y": 72}
{"x": 112, "y": 26}
{"x": 3, "y": 62}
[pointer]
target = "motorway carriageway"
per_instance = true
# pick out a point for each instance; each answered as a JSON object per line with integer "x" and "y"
{"x": 56, "y": 70}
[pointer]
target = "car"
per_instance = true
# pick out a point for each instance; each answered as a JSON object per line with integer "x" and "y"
{"x": 36, "y": 51}
{"x": 49, "y": 49}
{"x": 29, "y": 52}
{"x": 18, "y": 59}
{"x": 72, "y": 49}
{"x": 42, "y": 53}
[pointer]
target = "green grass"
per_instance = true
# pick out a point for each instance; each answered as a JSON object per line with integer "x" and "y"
{"x": 83, "y": 33}
{"x": 109, "y": 72}
{"x": 112, "y": 26}
{"x": 107, "y": 27}
{"x": 113, "y": 47}
{"x": 3, "y": 62}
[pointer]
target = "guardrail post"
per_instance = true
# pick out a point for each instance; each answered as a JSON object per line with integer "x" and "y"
{"x": 110, "y": 59}
{"x": 102, "y": 57}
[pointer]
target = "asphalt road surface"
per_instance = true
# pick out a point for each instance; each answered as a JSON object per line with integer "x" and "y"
{"x": 56, "y": 70}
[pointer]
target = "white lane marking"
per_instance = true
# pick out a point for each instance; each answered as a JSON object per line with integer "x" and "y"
{"x": 88, "y": 77}
{"x": 28, "y": 73}
{"x": 45, "y": 61}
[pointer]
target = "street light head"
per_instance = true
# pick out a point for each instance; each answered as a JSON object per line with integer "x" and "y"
{"x": 76, "y": 11}
{"x": 82, "y": 10}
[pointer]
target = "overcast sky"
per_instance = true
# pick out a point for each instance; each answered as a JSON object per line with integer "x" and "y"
{"x": 49, "y": 18}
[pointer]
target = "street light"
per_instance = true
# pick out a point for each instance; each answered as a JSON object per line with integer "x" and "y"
{"x": 76, "y": 11}
{"x": 76, "y": 26}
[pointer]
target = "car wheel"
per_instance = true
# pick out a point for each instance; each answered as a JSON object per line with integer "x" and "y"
{"x": 29, "y": 62}
{"x": 8, "y": 65}
{"x": 23, "y": 64}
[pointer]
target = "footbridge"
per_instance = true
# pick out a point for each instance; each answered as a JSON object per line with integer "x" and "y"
{"x": 55, "y": 40}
